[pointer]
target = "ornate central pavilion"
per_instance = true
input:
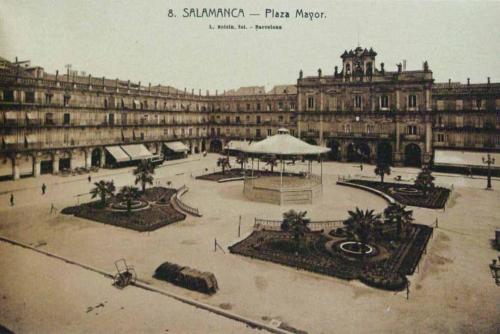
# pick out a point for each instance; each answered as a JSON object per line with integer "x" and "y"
{"x": 292, "y": 188}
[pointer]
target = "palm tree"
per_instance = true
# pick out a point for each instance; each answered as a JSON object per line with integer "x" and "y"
{"x": 295, "y": 223}
{"x": 425, "y": 180}
{"x": 361, "y": 225}
{"x": 223, "y": 162}
{"x": 382, "y": 169}
{"x": 144, "y": 173}
{"x": 129, "y": 194}
{"x": 397, "y": 213}
{"x": 241, "y": 159}
{"x": 103, "y": 189}
{"x": 271, "y": 160}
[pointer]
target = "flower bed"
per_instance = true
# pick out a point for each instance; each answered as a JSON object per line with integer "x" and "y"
{"x": 387, "y": 273}
{"x": 408, "y": 194}
{"x": 147, "y": 219}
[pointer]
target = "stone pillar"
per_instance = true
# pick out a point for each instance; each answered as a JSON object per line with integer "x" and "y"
{"x": 428, "y": 141}
{"x": 103, "y": 157}
{"x": 88, "y": 158}
{"x": 397, "y": 99}
{"x": 427, "y": 99}
{"x": 55, "y": 164}
{"x": 36, "y": 166}
{"x": 16, "y": 172}
{"x": 398, "y": 155}
{"x": 320, "y": 130}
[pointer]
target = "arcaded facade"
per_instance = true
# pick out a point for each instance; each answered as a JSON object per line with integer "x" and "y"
{"x": 362, "y": 111}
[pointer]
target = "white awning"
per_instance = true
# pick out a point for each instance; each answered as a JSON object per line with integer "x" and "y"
{"x": 462, "y": 158}
{"x": 30, "y": 139}
{"x": 237, "y": 145}
{"x": 9, "y": 140}
{"x": 10, "y": 115}
{"x": 177, "y": 146}
{"x": 31, "y": 115}
{"x": 137, "y": 151}
{"x": 117, "y": 153}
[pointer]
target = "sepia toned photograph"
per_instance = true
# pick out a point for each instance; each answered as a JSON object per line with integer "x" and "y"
{"x": 290, "y": 167}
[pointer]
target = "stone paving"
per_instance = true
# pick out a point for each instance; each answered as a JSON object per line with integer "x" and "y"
{"x": 453, "y": 290}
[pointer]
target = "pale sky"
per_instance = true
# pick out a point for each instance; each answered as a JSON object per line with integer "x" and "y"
{"x": 137, "y": 40}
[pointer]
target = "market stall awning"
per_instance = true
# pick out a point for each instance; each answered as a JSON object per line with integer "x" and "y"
{"x": 118, "y": 153}
{"x": 30, "y": 139}
{"x": 137, "y": 151}
{"x": 462, "y": 158}
{"x": 31, "y": 115}
{"x": 10, "y": 115}
{"x": 237, "y": 145}
{"x": 177, "y": 146}
{"x": 9, "y": 140}
{"x": 284, "y": 144}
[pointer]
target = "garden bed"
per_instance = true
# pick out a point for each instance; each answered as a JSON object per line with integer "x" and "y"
{"x": 388, "y": 273}
{"x": 237, "y": 174}
{"x": 408, "y": 194}
{"x": 155, "y": 216}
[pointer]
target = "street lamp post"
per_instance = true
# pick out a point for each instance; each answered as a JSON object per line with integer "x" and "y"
{"x": 489, "y": 161}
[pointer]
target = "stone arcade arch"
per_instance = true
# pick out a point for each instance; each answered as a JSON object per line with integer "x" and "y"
{"x": 216, "y": 145}
{"x": 358, "y": 152}
{"x": 384, "y": 152}
{"x": 334, "y": 146}
{"x": 96, "y": 156}
{"x": 413, "y": 155}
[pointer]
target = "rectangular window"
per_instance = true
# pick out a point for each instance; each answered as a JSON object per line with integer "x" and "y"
{"x": 411, "y": 130}
{"x": 66, "y": 100}
{"x": 347, "y": 128}
{"x": 247, "y": 131}
{"x": 357, "y": 101}
{"x": 111, "y": 119}
{"x": 258, "y": 119}
{"x": 8, "y": 96}
{"x": 412, "y": 101}
{"x": 257, "y": 132}
{"x": 228, "y": 119}
{"x": 280, "y": 105}
{"x": 384, "y": 102}
{"x": 29, "y": 97}
{"x": 269, "y": 132}
{"x": 66, "y": 119}
{"x": 48, "y": 98}
{"x": 310, "y": 102}
{"x": 258, "y": 106}
{"x": 280, "y": 119}
{"x": 459, "y": 104}
{"x": 440, "y": 137}
{"x": 49, "y": 118}
{"x": 238, "y": 119}
{"x": 248, "y": 106}
{"x": 292, "y": 105}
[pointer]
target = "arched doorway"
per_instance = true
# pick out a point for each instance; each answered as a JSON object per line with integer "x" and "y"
{"x": 95, "y": 160}
{"x": 384, "y": 152}
{"x": 359, "y": 152}
{"x": 413, "y": 155}
{"x": 334, "y": 150}
{"x": 215, "y": 146}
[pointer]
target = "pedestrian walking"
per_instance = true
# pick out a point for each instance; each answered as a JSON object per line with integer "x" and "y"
{"x": 89, "y": 178}
{"x": 44, "y": 187}
{"x": 53, "y": 208}
{"x": 11, "y": 199}
{"x": 361, "y": 167}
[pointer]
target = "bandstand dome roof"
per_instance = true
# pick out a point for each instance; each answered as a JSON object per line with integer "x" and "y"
{"x": 284, "y": 144}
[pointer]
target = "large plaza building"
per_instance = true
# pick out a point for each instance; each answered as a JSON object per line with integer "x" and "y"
{"x": 362, "y": 111}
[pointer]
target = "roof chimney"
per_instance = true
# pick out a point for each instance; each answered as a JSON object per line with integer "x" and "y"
{"x": 468, "y": 81}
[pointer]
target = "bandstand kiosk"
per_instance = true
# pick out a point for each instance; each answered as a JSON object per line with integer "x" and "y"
{"x": 284, "y": 188}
